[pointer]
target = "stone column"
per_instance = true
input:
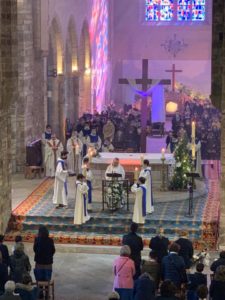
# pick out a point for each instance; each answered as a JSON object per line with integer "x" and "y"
{"x": 218, "y": 92}
{"x": 8, "y": 78}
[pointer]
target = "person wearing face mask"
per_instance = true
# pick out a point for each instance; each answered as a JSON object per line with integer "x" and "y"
{"x": 83, "y": 134}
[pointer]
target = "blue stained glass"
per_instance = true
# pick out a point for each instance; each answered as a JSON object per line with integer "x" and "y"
{"x": 187, "y": 10}
{"x": 166, "y": 13}
{"x": 198, "y": 13}
{"x": 198, "y": 2}
{"x": 184, "y": 2}
{"x": 184, "y": 13}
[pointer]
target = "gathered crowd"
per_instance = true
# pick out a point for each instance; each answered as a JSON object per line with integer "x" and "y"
{"x": 208, "y": 127}
{"x": 165, "y": 275}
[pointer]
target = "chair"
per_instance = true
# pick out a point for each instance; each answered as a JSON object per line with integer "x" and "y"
{"x": 47, "y": 288}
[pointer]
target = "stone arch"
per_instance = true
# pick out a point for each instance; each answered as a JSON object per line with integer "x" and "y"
{"x": 71, "y": 73}
{"x": 56, "y": 101}
{"x": 85, "y": 70}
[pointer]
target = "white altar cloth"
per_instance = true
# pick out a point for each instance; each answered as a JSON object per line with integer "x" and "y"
{"x": 132, "y": 158}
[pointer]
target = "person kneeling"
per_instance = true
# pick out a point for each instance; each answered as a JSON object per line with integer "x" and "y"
{"x": 81, "y": 214}
{"x": 139, "y": 213}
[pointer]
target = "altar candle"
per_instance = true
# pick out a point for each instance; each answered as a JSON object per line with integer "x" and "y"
{"x": 135, "y": 174}
{"x": 163, "y": 153}
{"x": 77, "y": 150}
{"x": 142, "y": 160}
{"x": 193, "y": 130}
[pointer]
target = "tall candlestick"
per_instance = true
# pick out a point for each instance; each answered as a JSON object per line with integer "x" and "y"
{"x": 90, "y": 157}
{"x": 193, "y": 150}
{"x": 193, "y": 129}
{"x": 135, "y": 174}
{"x": 163, "y": 153}
{"x": 142, "y": 160}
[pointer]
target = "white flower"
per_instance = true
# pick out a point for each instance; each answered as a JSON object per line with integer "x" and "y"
{"x": 178, "y": 164}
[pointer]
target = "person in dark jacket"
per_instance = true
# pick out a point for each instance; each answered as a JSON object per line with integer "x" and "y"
{"x": 173, "y": 266}
{"x": 194, "y": 281}
{"x": 19, "y": 264}
{"x": 4, "y": 251}
{"x": 152, "y": 267}
{"x": 136, "y": 245}
{"x": 186, "y": 249}
{"x": 144, "y": 288}
{"x": 219, "y": 262}
{"x": 44, "y": 250}
{"x": 217, "y": 287}
{"x": 167, "y": 291}
{"x": 159, "y": 244}
{"x": 3, "y": 276}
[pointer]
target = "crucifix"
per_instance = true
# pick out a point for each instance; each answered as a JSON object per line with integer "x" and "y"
{"x": 144, "y": 82}
{"x": 173, "y": 71}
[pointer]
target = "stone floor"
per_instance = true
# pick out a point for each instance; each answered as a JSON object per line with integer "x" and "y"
{"x": 80, "y": 272}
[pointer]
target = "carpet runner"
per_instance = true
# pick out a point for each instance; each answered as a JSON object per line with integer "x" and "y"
{"x": 106, "y": 228}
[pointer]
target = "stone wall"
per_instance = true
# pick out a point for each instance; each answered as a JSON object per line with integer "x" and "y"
{"x": 8, "y": 78}
{"x": 218, "y": 91}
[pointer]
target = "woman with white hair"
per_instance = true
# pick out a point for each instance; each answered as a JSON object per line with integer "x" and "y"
{"x": 9, "y": 292}
{"x": 124, "y": 271}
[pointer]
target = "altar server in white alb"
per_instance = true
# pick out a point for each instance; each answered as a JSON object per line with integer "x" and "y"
{"x": 115, "y": 168}
{"x": 140, "y": 190}
{"x": 81, "y": 214}
{"x": 60, "y": 187}
{"x": 74, "y": 148}
{"x": 94, "y": 140}
{"x": 147, "y": 174}
{"x": 87, "y": 173}
{"x": 53, "y": 148}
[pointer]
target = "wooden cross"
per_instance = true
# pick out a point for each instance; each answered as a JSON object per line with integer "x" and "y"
{"x": 144, "y": 82}
{"x": 173, "y": 71}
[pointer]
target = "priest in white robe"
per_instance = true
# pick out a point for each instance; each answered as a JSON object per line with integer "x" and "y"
{"x": 60, "y": 196}
{"x": 87, "y": 173}
{"x": 115, "y": 168}
{"x": 81, "y": 214}
{"x": 140, "y": 191}
{"x": 53, "y": 150}
{"x": 46, "y": 136}
{"x": 147, "y": 174}
{"x": 74, "y": 148}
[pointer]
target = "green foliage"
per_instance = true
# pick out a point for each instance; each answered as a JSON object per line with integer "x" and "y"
{"x": 182, "y": 166}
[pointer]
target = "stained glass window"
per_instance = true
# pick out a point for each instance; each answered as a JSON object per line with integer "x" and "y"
{"x": 175, "y": 10}
{"x": 159, "y": 10}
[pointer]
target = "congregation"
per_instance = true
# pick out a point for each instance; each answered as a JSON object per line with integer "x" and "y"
{"x": 168, "y": 273}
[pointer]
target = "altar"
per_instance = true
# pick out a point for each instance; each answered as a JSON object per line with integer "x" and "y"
{"x": 131, "y": 161}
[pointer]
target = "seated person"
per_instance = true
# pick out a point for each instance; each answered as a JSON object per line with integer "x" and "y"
{"x": 9, "y": 292}
{"x": 202, "y": 292}
{"x": 115, "y": 168}
{"x": 26, "y": 290}
{"x": 167, "y": 291}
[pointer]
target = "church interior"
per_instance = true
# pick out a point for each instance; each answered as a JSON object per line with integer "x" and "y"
{"x": 112, "y": 121}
